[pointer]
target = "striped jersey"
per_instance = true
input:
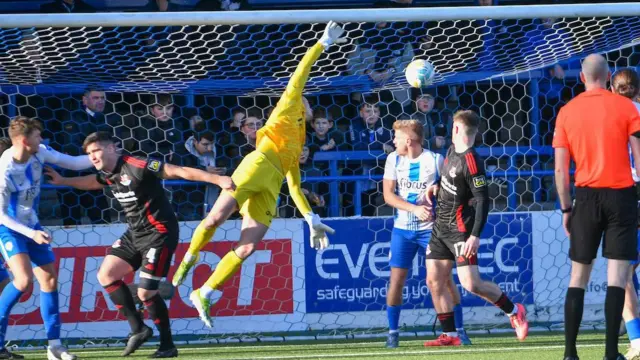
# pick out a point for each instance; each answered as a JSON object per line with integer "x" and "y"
{"x": 20, "y": 186}
{"x": 412, "y": 177}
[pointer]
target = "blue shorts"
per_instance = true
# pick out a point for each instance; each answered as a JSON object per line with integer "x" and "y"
{"x": 12, "y": 243}
{"x": 405, "y": 245}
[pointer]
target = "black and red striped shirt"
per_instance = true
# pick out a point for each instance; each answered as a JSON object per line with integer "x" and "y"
{"x": 463, "y": 179}
{"x": 137, "y": 184}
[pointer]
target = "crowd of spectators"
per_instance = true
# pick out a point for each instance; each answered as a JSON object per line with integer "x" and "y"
{"x": 214, "y": 132}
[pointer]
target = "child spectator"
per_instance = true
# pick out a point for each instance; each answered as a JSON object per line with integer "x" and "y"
{"x": 323, "y": 137}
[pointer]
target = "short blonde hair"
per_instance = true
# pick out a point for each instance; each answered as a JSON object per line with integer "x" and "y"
{"x": 23, "y": 126}
{"x": 413, "y": 126}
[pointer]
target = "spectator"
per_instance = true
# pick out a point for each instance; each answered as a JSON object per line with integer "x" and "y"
{"x": 202, "y": 155}
{"x": 237, "y": 115}
{"x": 435, "y": 124}
{"x": 323, "y": 137}
{"x": 80, "y": 124}
{"x": 157, "y": 133}
{"x": 367, "y": 133}
{"x": 66, "y": 6}
{"x": 374, "y": 55}
{"x": 245, "y": 141}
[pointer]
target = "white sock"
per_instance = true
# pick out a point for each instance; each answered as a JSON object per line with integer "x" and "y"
{"x": 393, "y": 331}
{"x": 452, "y": 334}
{"x": 55, "y": 342}
{"x": 188, "y": 257}
{"x": 206, "y": 291}
{"x": 635, "y": 343}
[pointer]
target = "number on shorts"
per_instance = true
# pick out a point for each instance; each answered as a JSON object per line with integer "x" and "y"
{"x": 151, "y": 255}
{"x": 458, "y": 248}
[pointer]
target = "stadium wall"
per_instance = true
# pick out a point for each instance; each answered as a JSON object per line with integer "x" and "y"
{"x": 286, "y": 286}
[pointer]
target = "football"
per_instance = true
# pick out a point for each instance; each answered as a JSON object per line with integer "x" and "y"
{"x": 419, "y": 73}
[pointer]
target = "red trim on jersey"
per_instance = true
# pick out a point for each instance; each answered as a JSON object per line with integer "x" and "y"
{"x": 459, "y": 220}
{"x": 160, "y": 265}
{"x": 157, "y": 224}
{"x": 135, "y": 162}
{"x": 471, "y": 163}
{"x": 446, "y": 161}
{"x": 108, "y": 181}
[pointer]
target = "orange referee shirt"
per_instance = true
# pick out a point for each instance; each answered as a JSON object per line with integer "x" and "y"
{"x": 595, "y": 127}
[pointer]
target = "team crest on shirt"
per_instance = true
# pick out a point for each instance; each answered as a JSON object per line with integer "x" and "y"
{"x": 452, "y": 172}
{"x": 125, "y": 180}
{"x": 154, "y": 165}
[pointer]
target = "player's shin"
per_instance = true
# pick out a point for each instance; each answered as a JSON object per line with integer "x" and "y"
{"x": 8, "y": 299}
{"x": 50, "y": 311}
{"x": 201, "y": 237}
{"x": 121, "y": 296}
{"x": 226, "y": 268}
{"x": 160, "y": 315}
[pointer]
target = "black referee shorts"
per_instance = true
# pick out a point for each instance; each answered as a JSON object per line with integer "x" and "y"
{"x": 609, "y": 212}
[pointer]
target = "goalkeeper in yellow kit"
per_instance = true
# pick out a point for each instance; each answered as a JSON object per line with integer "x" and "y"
{"x": 258, "y": 180}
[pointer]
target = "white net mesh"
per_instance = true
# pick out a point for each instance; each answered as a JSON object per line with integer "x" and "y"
{"x": 165, "y": 84}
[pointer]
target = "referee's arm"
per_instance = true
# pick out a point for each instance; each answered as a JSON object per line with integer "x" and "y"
{"x": 562, "y": 177}
{"x": 562, "y": 163}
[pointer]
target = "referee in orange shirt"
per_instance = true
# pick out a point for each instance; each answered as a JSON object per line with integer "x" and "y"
{"x": 595, "y": 129}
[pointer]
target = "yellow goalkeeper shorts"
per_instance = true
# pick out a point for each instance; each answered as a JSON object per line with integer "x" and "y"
{"x": 258, "y": 184}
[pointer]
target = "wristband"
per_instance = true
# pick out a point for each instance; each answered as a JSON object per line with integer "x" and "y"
{"x": 567, "y": 210}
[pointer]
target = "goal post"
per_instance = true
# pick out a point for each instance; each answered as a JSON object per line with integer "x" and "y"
{"x": 164, "y": 73}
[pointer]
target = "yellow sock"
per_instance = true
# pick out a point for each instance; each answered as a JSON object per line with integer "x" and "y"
{"x": 228, "y": 266}
{"x": 200, "y": 238}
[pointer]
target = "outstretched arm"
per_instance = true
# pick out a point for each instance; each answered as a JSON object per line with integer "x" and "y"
{"x": 182, "y": 172}
{"x": 65, "y": 161}
{"x": 299, "y": 78}
{"x": 88, "y": 182}
{"x": 295, "y": 190}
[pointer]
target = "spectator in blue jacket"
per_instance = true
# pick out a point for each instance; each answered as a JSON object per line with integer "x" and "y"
{"x": 367, "y": 133}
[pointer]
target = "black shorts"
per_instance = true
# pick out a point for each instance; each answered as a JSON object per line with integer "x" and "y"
{"x": 609, "y": 212}
{"x": 448, "y": 245}
{"x": 149, "y": 251}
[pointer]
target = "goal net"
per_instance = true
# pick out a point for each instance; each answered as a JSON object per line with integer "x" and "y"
{"x": 157, "y": 84}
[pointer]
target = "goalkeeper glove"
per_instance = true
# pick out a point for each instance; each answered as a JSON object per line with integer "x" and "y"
{"x": 318, "y": 230}
{"x": 332, "y": 35}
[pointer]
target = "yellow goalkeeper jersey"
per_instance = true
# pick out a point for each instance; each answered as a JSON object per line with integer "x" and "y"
{"x": 284, "y": 134}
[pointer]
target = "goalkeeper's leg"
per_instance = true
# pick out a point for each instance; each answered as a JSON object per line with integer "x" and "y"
{"x": 222, "y": 209}
{"x": 251, "y": 234}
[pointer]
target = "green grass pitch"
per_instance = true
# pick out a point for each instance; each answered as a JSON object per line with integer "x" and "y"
{"x": 539, "y": 346}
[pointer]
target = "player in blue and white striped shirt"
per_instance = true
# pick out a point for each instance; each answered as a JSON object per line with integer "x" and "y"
{"x": 23, "y": 241}
{"x": 408, "y": 172}
{"x": 626, "y": 82}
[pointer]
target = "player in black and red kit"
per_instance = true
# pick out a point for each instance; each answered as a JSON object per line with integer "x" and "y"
{"x": 152, "y": 236}
{"x": 456, "y": 232}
